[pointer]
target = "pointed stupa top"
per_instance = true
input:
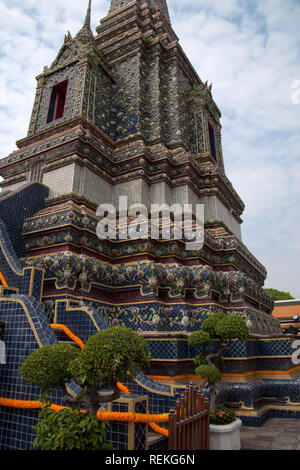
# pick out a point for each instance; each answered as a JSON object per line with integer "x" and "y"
{"x": 87, "y": 21}
{"x": 160, "y": 4}
{"x": 85, "y": 35}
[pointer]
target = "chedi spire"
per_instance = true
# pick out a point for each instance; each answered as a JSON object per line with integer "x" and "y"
{"x": 85, "y": 35}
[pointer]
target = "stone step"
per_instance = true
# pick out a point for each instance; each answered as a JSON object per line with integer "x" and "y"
{"x": 157, "y": 441}
{"x": 72, "y": 343}
{"x": 62, "y": 338}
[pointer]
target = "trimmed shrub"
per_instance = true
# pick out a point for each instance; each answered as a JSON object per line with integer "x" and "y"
{"x": 70, "y": 429}
{"x": 47, "y": 367}
{"x": 111, "y": 356}
{"x": 209, "y": 374}
{"x": 232, "y": 327}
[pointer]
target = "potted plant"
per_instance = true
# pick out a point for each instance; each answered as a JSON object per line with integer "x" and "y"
{"x": 215, "y": 336}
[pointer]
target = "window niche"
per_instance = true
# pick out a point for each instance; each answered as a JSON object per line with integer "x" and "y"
{"x": 57, "y": 102}
{"x": 212, "y": 141}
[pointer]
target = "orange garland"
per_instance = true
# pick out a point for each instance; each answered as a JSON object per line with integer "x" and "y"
{"x": 123, "y": 388}
{"x": 29, "y": 405}
{"x": 2, "y": 280}
{"x": 159, "y": 430}
{"x": 102, "y": 415}
{"x": 132, "y": 417}
{"x": 176, "y": 377}
{"x": 20, "y": 403}
{"x": 68, "y": 333}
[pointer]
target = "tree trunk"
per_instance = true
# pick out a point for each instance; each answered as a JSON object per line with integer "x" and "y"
{"x": 209, "y": 360}
{"x": 109, "y": 394}
{"x": 91, "y": 399}
{"x": 213, "y": 396}
{"x": 220, "y": 353}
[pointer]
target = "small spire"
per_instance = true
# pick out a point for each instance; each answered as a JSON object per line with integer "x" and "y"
{"x": 85, "y": 34}
{"x": 87, "y": 21}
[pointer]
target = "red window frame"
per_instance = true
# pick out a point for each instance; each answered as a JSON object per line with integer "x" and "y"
{"x": 57, "y": 101}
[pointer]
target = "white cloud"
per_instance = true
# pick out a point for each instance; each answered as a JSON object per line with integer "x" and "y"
{"x": 250, "y": 51}
{"x": 251, "y": 54}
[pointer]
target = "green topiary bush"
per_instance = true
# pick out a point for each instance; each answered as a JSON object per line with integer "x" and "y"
{"x": 232, "y": 327}
{"x": 209, "y": 374}
{"x": 111, "y": 356}
{"x": 200, "y": 337}
{"x": 209, "y": 325}
{"x": 48, "y": 367}
{"x": 215, "y": 336}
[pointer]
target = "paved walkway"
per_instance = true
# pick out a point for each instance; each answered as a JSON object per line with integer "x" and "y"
{"x": 275, "y": 434}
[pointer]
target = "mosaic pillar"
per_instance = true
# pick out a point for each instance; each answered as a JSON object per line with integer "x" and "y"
{"x": 129, "y": 435}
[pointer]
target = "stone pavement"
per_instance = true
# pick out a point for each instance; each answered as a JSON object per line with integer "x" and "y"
{"x": 275, "y": 434}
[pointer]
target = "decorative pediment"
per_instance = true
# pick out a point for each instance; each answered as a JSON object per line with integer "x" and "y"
{"x": 67, "y": 52}
{"x": 201, "y": 97}
{"x": 82, "y": 43}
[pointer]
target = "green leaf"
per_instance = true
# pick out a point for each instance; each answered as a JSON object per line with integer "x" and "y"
{"x": 70, "y": 430}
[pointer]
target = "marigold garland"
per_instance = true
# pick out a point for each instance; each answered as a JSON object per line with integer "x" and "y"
{"x": 68, "y": 333}
{"x": 123, "y": 388}
{"x": 176, "y": 377}
{"x": 132, "y": 417}
{"x": 159, "y": 430}
{"x": 20, "y": 403}
{"x": 102, "y": 415}
{"x": 2, "y": 280}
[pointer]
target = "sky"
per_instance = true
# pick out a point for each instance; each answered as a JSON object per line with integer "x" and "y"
{"x": 249, "y": 50}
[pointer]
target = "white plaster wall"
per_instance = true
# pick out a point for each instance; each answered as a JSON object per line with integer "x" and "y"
{"x": 236, "y": 228}
{"x": 180, "y": 195}
{"x": 145, "y": 193}
{"x": 210, "y": 209}
{"x": 60, "y": 180}
{"x": 226, "y": 216}
{"x": 94, "y": 188}
{"x": 185, "y": 195}
{"x": 14, "y": 186}
{"x": 193, "y": 199}
{"x": 78, "y": 180}
{"x": 136, "y": 191}
{"x": 161, "y": 193}
{"x": 214, "y": 209}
